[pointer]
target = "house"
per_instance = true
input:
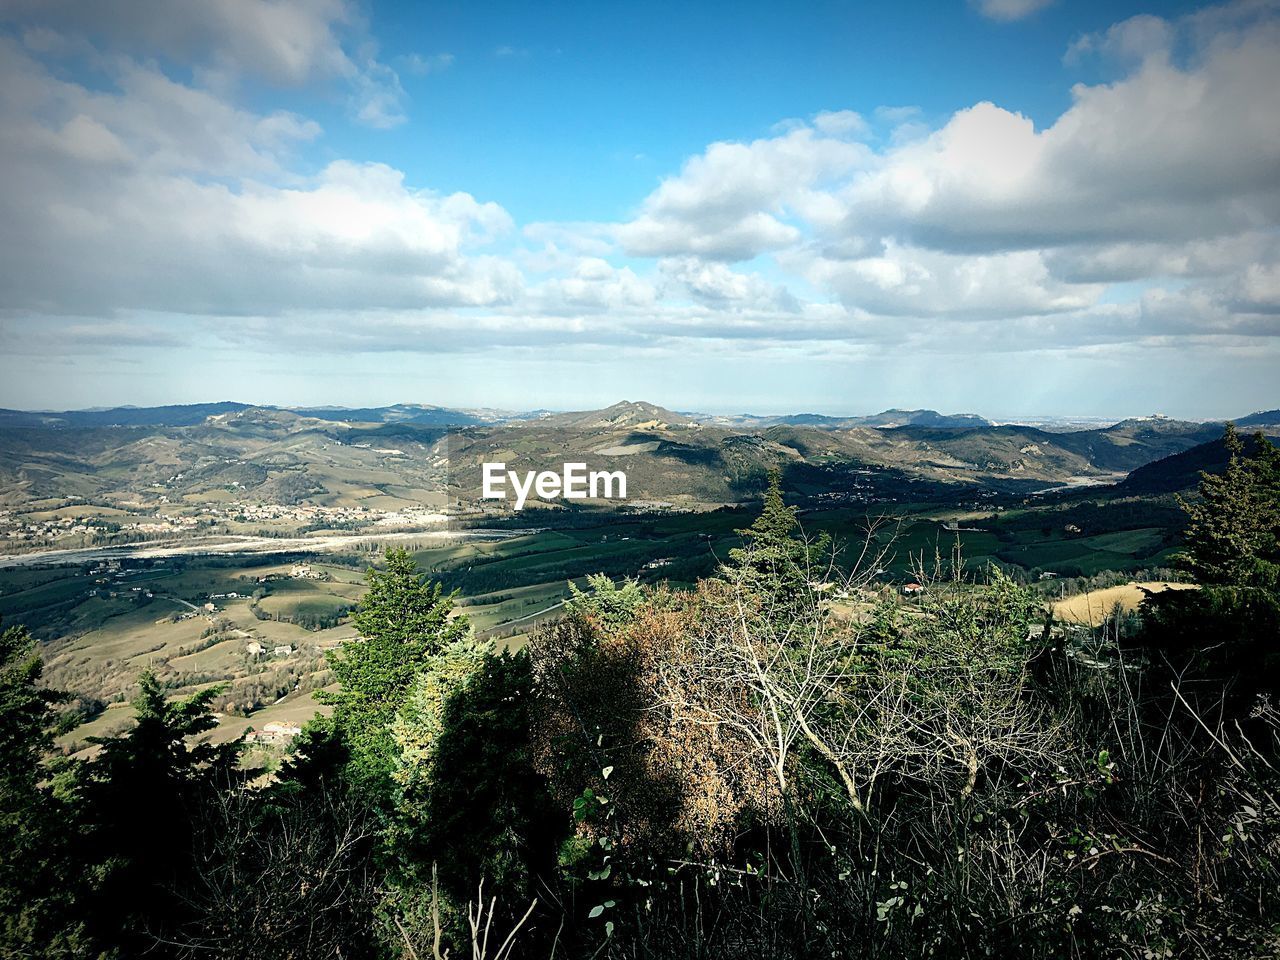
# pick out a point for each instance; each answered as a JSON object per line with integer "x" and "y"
{"x": 274, "y": 732}
{"x": 282, "y": 650}
{"x": 912, "y": 589}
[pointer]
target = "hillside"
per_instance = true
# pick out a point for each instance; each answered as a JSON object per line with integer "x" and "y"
{"x": 394, "y": 458}
{"x": 1264, "y": 418}
{"x": 1181, "y": 472}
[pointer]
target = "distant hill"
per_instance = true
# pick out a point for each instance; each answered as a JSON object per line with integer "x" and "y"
{"x": 1180, "y": 472}
{"x": 410, "y": 453}
{"x": 396, "y": 413}
{"x": 1264, "y": 418}
{"x": 884, "y": 419}
{"x": 186, "y": 415}
{"x": 628, "y": 413}
{"x": 923, "y": 418}
{"x": 179, "y": 415}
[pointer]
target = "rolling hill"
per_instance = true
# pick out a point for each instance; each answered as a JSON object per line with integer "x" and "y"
{"x": 395, "y": 457}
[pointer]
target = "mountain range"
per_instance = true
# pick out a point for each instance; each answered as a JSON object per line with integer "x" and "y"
{"x": 407, "y": 455}
{"x": 625, "y": 413}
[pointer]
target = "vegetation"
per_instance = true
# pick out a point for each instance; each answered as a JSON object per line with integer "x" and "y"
{"x": 784, "y": 760}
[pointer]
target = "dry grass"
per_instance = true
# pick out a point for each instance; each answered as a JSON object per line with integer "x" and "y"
{"x": 1094, "y": 607}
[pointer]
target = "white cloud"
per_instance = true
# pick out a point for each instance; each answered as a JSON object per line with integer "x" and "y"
{"x": 715, "y": 284}
{"x": 137, "y": 204}
{"x": 162, "y": 197}
{"x": 421, "y": 65}
{"x": 732, "y": 201}
{"x": 914, "y": 282}
{"x": 591, "y": 285}
{"x": 1135, "y": 39}
{"x": 290, "y": 43}
{"x": 1007, "y": 10}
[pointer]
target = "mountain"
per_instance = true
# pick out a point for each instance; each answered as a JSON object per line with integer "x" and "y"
{"x": 178, "y": 415}
{"x": 628, "y": 413}
{"x": 923, "y": 418}
{"x": 886, "y": 418}
{"x": 397, "y": 413}
{"x": 1264, "y": 418}
{"x": 1180, "y": 472}
{"x": 406, "y": 454}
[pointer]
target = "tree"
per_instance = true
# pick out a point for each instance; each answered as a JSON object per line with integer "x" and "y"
{"x": 403, "y": 620}
{"x": 1227, "y": 631}
{"x": 1233, "y": 532}
{"x": 469, "y": 799}
{"x": 35, "y": 909}
{"x": 773, "y": 562}
{"x": 612, "y": 604}
{"x": 141, "y": 801}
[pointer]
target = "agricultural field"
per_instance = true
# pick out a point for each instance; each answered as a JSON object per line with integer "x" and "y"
{"x": 1092, "y": 608}
{"x": 258, "y": 625}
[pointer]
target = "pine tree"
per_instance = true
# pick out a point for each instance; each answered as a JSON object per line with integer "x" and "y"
{"x": 403, "y": 620}
{"x": 36, "y": 913}
{"x": 774, "y": 562}
{"x": 1233, "y": 533}
{"x": 142, "y": 801}
{"x": 1227, "y": 631}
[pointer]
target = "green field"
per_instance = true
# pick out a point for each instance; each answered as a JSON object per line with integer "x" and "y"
{"x": 101, "y": 628}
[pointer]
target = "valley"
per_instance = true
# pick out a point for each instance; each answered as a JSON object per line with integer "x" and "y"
{"x": 229, "y": 549}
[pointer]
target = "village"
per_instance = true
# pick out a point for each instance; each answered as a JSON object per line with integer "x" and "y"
{"x": 71, "y": 522}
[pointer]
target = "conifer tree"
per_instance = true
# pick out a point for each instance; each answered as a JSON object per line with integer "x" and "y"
{"x": 36, "y": 918}
{"x": 774, "y": 562}
{"x": 141, "y": 801}
{"x": 1233, "y": 533}
{"x": 404, "y": 620}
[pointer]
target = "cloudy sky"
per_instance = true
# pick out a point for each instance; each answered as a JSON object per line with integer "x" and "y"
{"x": 1011, "y": 207}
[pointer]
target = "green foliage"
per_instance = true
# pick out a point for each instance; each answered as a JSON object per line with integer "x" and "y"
{"x": 1233, "y": 532}
{"x": 36, "y": 916}
{"x": 403, "y": 621}
{"x": 26, "y": 711}
{"x": 1228, "y": 631}
{"x": 140, "y": 802}
{"x": 773, "y": 562}
{"x": 468, "y": 795}
{"x": 612, "y": 604}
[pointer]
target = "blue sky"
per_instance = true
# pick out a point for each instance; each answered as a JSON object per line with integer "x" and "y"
{"x": 1014, "y": 207}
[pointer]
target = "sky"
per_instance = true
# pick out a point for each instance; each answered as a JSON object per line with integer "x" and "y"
{"x": 1008, "y": 207}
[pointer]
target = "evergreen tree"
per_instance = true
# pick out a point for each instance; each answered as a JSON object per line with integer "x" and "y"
{"x": 774, "y": 562}
{"x": 1229, "y": 630}
{"x": 468, "y": 798}
{"x": 611, "y": 604}
{"x": 141, "y": 801}
{"x": 403, "y": 620}
{"x": 1233, "y": 533}
{"x": 35, "y": 903}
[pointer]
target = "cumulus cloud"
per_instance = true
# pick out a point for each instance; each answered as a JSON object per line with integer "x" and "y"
{"x": 135, "y": 201}
{"x": 591, "y": 284}
{"x": 159, "y": 196}
{"x": 733, "y": 201}
{"x": 289, "y": 43}
{"x": 716, "y": 284}
{"x": 1169, "y": 172}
